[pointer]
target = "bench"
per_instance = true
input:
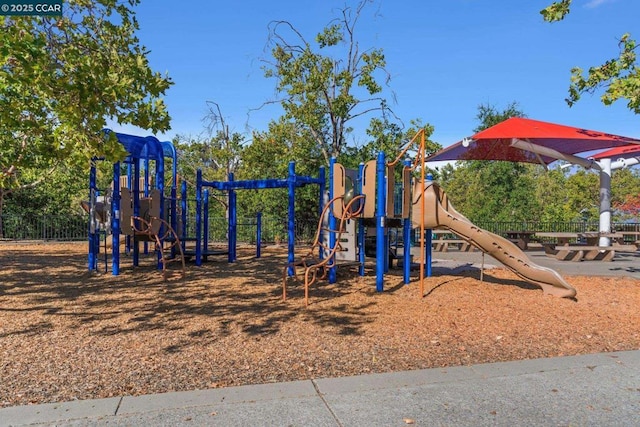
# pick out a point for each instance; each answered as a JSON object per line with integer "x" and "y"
{"x": 621, "y": 247}
{"x": 519, "y": 238}
{"x": 549, "y": 249}
{"x": 582, "y": 252}
{"x": 590, "y": 253}
{"x": 566, "y": 252}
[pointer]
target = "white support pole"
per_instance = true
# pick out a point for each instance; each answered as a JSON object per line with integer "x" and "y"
{"x": 624, "y": 163}
{"x": 605, "y": 201}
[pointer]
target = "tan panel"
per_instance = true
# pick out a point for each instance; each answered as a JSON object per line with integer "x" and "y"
{"x": 154, "y": 210}
{"x": 338, "y": 188}
{"x": 406, "y": 192}
{"x": 126, "y": 211}
{"x": 369, "y": 189}
{"x": 124, "y": 182}
{"x": 391, "y": 184}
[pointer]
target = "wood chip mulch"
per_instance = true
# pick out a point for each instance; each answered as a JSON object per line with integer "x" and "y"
{"x": 67, "y": 333}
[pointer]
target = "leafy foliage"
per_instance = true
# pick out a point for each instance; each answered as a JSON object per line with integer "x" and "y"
{"x": 61, "y": 78}
{"x": 492, "y": 190}
{"x": 581, "y": 195}
{"x": 556, "y": 11}
{"x": 619, "y": 77}
{"x": 268, "y": 157}
{"x": 326, "y": 86}
{"x": 625, "y": 194}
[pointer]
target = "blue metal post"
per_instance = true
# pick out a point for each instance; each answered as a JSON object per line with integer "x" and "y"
{"x": 382, "y": 254}
{"x": 160, "y": 186}
{"x": 387, "y": 244}
{"x": 291, "y": 223}
{"x": 174, "y": 212}
{"x": 145, "y": 189}
{"x": 183, "y": 214}
{"x": 93, "y": 255}
{"x": 258, "y": 234}
{"x": 115, "y": 221}
{"x": 129, "y": 238}
{"x": 198, "y": 217}
{"x": 406, "y": 237}
{"x": 361, "y": 229}
{"x": 332, "y": 222}
{"x": 323, "y": 184}
{"x": 145, "y": 192}
{"x": 205, "y": 225}
{"x": 233, "y": 222}
{"x": 136, "y": 209}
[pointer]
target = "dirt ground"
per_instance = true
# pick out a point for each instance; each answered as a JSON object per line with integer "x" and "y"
{"x": 66, "y": 333}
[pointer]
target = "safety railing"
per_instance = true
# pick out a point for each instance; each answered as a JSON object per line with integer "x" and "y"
{"x": 75, "y": 228}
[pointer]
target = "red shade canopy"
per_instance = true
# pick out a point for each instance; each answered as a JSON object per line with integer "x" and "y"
{"x": 496, "y": 142}
{"x": 625, "y": 152}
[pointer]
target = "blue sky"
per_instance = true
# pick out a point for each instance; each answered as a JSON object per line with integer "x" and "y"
{"x": 445, "y": 58}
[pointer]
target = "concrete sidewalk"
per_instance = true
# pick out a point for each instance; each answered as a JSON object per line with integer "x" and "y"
{"x": 598, "y": 389}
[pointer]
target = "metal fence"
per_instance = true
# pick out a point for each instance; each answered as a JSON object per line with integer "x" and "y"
{"x": 570, "y": 227}
{"x": 75, "y": 227}
{"x": 44, "y": 227}
{"x": 272, "y": 230}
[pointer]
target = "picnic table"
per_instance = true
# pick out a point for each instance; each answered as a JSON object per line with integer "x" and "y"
{"x": 629, "y": 236}
{"x": 520, "y": 237}
{"x": 443, "y": 240}
{"x": 562, "y": 237}
{"x": 564, "y": 250}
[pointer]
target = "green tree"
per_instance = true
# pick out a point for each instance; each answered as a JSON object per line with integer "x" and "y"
{"x": 217, "y": 153}
{"x": 619, "y": 77}
{"x": 499, "y": 191}
{"x": 61, "y": 78}
{"x": 327, "y": 85}
{"x": 268, "y": 157}
{"x": 388, "y": 137}
{"x": 551, "y": 194}
{"x": 444, "y": 175}
{"x": 625, "y": 191}
{"x": 224, "y": 147}
{"x": 582, "y": 195}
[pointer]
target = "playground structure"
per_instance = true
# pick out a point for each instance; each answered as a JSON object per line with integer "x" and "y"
{"x": 368, "y": 199}
{"x": 358, "y": 199}
{"x": 132, "y": 208}
{"x": 230, "y": 186}
{"x": 141, "y": 212}
{"x": 317, "y": 266}
{"x": 439, "y": 213}
{"x": 362, "y": 201}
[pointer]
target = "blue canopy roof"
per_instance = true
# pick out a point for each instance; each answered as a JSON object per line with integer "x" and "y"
{"x": 140, "y": 147}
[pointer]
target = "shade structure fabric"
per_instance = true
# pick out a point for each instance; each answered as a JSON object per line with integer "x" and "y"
{"x": 496, "y": 142}
{"x": 626, "y": 152}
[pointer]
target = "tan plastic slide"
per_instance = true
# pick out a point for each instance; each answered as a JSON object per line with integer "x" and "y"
{"x": 438, "y": 213}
